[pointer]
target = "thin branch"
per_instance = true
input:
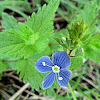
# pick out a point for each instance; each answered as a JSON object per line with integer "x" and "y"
{"x": 6, "y": 61}
{"x": 31, "y": 59}
{"x": 19, "y": 91}
{"x": 5, "y": 95}
{"x": 94, "y": 20}
{"x": 33, "y": 3}
{"x": 27, "y": 91}
{"x": 53, "y": 44}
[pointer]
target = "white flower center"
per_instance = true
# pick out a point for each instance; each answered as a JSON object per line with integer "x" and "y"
{"x": 56, "y": 69}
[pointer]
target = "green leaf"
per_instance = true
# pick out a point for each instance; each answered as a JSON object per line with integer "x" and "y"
{"x": 3, "y": 66}
{"x": 86, "y": 37}
{"x": 82, "y": 1}
{"x": 95, "y": 41}
{"x": 76, "y": 62}
{"x": 38, "y": 3}
{"x": 1, "y": 9}
{"x": 29, "y": 73}
{"x": 51, "y": 92}
{"x": 61, "y": 33}
{"x": 58, "y": 40}
{"x": 42, "y": 24}
{"x": 92, "y": 53}
{"x": 9, "y": 22}
{"x": 27, "y": 34}
{"x": 54, "y": 46}
{"x": 46, "y": 52}
{"x": 16, "y": 9}
{"x": 15, "y": 5}
{"x": 92, "y": 48}
{"x": 12, "y": 45}
{"x": 33, "y": 35}
{"x": 61, "y": 37}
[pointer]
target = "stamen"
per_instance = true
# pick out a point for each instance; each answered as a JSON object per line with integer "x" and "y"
{"x": 43, "y": 63}
{"x": 60, "y": 78}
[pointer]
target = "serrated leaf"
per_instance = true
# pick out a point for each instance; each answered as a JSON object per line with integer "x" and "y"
{"x": 95, "y": 41}
{"x": 58, "y": 40}
{"x": 12, "y": 45}
{"x": 27, "y": 34}
{"x": 92, "y": 53}
{"x": 36, "y": 55}
{"x": 86, "y": 37}
{"x": 92, "y": 49}
{"x": 76, "y": 62}
{"x": 29, "y": 73}
{"x": 9, "y": 22}
{"x": 34, "y": 35}
{"x": 42, "y": 24}
{"x": 51, "y": 92}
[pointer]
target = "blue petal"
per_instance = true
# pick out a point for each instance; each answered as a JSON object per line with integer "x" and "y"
{"x": 48, "y": 80}
{"x": 65, "y": 74}
{"x": 61, "y": 59}
{"x": 39, "y": 65}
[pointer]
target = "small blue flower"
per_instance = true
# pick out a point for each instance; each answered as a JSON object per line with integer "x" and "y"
{"x": 60, "y": 61}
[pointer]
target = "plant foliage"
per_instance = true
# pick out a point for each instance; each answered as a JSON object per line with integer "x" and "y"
{"x": 20, "y": 41}
{"x": 26, "y": 43}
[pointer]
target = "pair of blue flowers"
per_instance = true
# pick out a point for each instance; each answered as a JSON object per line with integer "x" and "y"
{"x": 60, "y": 61}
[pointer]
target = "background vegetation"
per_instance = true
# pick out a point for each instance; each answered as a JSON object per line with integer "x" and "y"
{"x": 17, "y": 64}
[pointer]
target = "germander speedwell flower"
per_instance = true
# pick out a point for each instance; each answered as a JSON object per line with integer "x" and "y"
{"x": 60, "y": 61}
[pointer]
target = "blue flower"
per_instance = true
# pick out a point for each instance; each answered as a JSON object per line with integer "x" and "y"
{"x": 60, "y": 61}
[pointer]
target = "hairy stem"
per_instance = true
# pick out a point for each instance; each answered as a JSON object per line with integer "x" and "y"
{"x": 70, "y": 52}
{"x": 6, "y": 61}
{"x": 72, "y": 56}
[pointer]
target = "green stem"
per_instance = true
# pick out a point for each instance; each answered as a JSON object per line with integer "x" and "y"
{"x": 30, "y": 59}
{"x": 94, "y": 20}
{"x": 6, "y": 61}
{"x": 72, "y": 92}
